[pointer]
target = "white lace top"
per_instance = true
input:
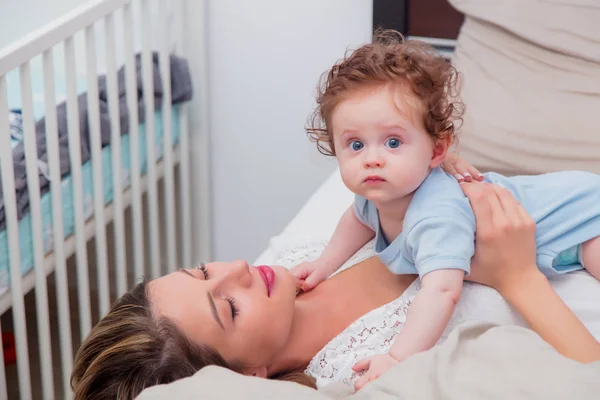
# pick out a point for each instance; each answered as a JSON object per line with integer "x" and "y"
{"x": 375, "y": 332}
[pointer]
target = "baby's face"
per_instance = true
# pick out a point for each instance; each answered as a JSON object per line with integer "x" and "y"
{"x": 381, "y": 145}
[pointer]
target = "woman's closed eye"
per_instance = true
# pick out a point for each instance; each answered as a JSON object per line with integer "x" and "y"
{"x": 230, "y": 300}
{"x": 234, "y": 310}
{"x": 202, "y": 269}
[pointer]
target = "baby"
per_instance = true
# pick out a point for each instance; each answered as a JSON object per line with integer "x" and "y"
{"x": 388, "y": 113}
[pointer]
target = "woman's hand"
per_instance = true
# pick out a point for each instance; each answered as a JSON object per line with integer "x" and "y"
{"x": 505, "y": 247}
{"x": 505, "y": 255}
{"x": 462, "y": 170}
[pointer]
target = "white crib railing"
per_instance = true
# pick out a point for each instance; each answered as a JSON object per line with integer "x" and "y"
{"x": 85, "y": 20}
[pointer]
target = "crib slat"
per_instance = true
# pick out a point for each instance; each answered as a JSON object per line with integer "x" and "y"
{"x": 3, "y": 382}
{"x": 115, "y": 143}
{"x": 10, "y": 208}
{"x": 96, "y": 146}
{"x": 62, "y": 287}
{"x": 165, "y": 72}
{"x": 184, "y": 146}
{"x": 132, "y": 106}
{"x": 200, "y": 163}
{"x": 148, "y": 85}
{"x": 184, "y": 183}
{"x": 83, "y": 281}
{"x": 35, "y": 209}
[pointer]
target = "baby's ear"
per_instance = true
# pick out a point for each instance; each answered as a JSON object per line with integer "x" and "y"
{"x": 440, "y": 149}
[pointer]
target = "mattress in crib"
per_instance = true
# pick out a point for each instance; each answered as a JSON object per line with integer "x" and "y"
{"x": 25, "y": 233}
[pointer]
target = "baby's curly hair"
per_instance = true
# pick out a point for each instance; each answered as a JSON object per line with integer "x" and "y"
{"x": 391, "y": 59}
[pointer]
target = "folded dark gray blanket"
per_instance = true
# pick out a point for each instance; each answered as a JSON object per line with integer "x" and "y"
{"x": 181, "y": 88}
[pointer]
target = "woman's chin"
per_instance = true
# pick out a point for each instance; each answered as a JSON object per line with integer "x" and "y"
{"x": 285, "y": 282}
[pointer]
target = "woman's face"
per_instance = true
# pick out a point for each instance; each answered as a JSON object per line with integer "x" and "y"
{"x": 245, "y": 313}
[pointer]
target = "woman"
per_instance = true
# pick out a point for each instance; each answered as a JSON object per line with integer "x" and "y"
{"x": 249, "y": 319}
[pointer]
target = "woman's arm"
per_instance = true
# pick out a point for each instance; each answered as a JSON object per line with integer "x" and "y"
{"x": 546, "y": 313}
{"x": 505, "y": 259}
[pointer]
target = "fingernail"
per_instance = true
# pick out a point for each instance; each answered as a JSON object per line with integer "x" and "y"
{"x": 459, "y": 177}
{"x": 467, "y": 175}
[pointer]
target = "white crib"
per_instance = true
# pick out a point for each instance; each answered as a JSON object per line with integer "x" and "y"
{"x": 143, "y": 227}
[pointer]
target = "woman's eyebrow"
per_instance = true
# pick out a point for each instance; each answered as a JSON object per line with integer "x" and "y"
{"x": 186, "y": 272}
{"x": 213, "y": 307}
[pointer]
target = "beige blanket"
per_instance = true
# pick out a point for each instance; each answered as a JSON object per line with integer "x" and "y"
{"x": 476, "y": 362}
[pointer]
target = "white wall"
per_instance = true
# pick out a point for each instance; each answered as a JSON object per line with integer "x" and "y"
{"x": 264, "y": 61}
{"x": 20, "y": 17}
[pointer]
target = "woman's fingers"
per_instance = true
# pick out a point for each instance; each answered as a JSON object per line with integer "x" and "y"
{"x": 451, "y": 169}
{"x": 498, "y": 213}
{"x": 462, "y": 169}
{"x": 478, "y": 176}
{"x": 509, "y": 204}
{"x": 478, "y": 194}
{"x": 519, "y": 219}
{"x": 525, "y": 216}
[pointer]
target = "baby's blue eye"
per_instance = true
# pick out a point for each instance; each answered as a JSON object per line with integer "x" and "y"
{"x": 393, "y": 143}
{"x": 356, "y": 145}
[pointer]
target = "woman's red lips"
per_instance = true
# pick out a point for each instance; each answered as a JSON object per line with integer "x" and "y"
{"x": 268, "y": 276}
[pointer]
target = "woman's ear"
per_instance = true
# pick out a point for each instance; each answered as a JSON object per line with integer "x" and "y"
{"x": 260, "y": 372}
{"x": 440, "y": 149}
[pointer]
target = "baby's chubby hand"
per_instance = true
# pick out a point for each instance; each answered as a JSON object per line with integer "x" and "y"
{"x": 310, "y": 274}
{"x": 372, "y": 368}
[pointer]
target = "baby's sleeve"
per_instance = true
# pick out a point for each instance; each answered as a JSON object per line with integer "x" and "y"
{"x": 437, "y": 243}
{"x": 366, "y": 212}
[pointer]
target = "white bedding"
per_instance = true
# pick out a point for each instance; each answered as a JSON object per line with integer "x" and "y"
{"x": 476, "y": 362}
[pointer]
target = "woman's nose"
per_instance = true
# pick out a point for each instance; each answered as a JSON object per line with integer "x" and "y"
{"x": 238, "y": 273}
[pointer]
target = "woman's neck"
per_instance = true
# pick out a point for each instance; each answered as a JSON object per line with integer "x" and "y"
{"x": 323, "y": 313}
{"x": 314, "y": 325}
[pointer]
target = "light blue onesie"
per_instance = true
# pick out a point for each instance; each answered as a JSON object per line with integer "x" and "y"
{"x": 439, "y": 226}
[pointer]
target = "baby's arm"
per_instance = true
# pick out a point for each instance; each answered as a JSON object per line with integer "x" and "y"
{"x": 349, "y": 236}
{"x": 429, "y": 313}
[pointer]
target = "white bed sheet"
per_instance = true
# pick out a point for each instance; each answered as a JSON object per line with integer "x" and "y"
{"x": 318, "y": 218}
